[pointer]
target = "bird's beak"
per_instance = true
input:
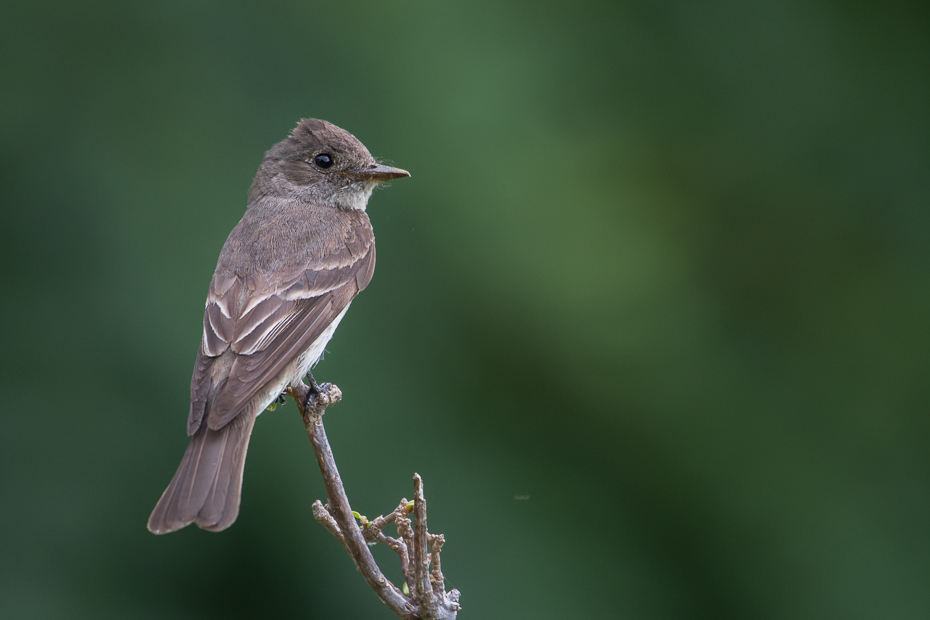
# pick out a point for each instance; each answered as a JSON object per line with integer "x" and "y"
{"x": 379, "y": 173}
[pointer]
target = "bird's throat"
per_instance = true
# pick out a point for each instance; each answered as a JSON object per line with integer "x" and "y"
{"x": 354, "y": 196}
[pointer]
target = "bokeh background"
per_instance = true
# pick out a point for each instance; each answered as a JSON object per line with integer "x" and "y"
{"x": 662, "y": 267}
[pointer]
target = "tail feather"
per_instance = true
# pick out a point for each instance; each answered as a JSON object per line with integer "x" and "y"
{"x": 208, "y": 483}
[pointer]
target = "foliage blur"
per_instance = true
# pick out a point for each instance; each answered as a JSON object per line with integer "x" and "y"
{"x": 662, "y": 272}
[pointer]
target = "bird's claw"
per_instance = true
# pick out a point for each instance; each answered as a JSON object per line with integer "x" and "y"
{"x": 314, "y": 386}
{"x": 314, "y": 390}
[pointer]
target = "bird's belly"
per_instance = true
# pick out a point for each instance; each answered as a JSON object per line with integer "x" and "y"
{"x": 307, "y": 359}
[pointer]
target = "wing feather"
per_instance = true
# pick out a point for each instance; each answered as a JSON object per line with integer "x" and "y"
{"x": 259, "y": 327}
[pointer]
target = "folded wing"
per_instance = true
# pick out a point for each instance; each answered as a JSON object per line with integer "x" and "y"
{"x": 253, "y": 328}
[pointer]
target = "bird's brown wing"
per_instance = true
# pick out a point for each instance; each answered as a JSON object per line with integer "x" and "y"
{"x": 252, "y": 328}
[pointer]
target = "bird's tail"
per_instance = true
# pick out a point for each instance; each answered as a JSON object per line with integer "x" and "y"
{"x": 208, "y": 484}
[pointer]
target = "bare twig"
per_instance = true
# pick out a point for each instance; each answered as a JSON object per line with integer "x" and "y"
{"x": 428, "y": 599}
{"x": 436, "y": 541}
{"x": 405, "y": 529}
{"x": 326, "y": 520}
{"x": 420, "y": 549}
{"x": 402, "y": 510}
{"x": 400, "y": 547}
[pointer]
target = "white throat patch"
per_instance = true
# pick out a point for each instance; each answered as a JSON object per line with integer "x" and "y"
{"x": 354, "y": 197}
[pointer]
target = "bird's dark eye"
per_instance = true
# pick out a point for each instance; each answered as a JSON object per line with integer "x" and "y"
{"x": 323, "y": 160}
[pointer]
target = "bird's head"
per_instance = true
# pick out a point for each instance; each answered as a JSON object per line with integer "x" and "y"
{"x": 323, "y": 164}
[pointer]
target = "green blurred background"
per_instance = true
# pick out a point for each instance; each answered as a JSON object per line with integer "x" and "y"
{"x": 663, "y": 267}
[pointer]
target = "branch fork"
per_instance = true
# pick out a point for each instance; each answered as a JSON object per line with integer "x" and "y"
{"x": 417, "y": 549}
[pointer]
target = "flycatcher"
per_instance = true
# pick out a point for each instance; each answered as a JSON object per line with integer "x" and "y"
{"x": 285, "y": 278}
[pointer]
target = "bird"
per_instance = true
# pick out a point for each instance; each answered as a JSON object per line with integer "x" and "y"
{"x": 284, "y": 279}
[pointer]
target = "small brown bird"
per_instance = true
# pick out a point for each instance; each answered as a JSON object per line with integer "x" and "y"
{"x": 285, "y": 278}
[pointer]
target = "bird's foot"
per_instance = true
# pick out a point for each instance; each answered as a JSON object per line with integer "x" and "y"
{"x": 314, "y": 390}
{"x": 280, "y": 400}
{"x": 317, "y": 397}
{"x": 314, "y": 386}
